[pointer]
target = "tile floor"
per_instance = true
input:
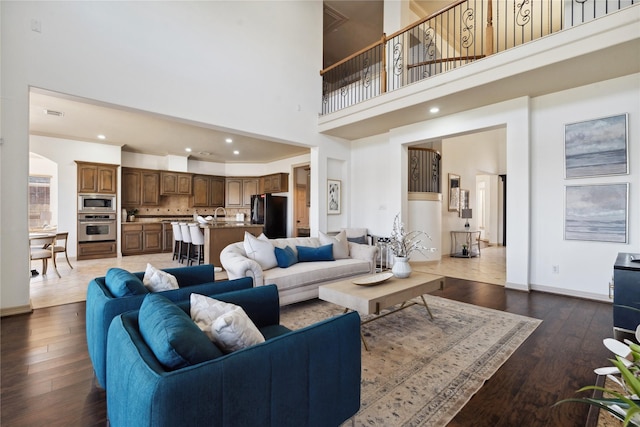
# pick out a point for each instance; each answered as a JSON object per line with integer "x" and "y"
{"x": 49, "y": 290}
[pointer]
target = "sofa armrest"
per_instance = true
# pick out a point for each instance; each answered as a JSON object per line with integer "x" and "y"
{"x": 237, "y": 265}
{"x": 307, "y": 377}
{"x": 365, "y": 252}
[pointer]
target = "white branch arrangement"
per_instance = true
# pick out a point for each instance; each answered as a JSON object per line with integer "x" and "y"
{"x": 403, "y": 243}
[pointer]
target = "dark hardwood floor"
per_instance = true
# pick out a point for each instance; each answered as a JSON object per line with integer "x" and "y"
{"x": 47, "y": 379}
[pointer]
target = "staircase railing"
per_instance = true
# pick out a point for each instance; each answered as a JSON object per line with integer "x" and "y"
{"x": 463, "y": 32}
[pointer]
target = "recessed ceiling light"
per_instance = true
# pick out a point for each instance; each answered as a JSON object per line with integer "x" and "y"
{"x": 228, "y": 140}
{"x": 102, "y": 136}
{"x": 188, "y": 150}
{"x": 236, "y": 152}
{"x": 434, "y": 110}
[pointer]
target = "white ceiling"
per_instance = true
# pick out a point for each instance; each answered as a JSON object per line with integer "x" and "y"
{"x": 355, "y": 25}
{"x": 142, "y": 132}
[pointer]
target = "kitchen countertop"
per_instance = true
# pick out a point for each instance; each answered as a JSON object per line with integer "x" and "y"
{"x": 222, "y": 223}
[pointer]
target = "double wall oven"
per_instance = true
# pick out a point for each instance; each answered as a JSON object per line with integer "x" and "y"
{"x": 97, "y": 218}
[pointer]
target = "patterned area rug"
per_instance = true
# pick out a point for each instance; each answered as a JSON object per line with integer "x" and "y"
{"x": 421, "y": 372}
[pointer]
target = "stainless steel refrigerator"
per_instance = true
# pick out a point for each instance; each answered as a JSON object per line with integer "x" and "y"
{"x": 271, "y": 211}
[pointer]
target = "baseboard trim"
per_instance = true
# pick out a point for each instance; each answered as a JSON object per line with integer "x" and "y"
{"x": 572, "y": 293}
{"x": 517, "y": 286}
{"x": 12, "y": 311}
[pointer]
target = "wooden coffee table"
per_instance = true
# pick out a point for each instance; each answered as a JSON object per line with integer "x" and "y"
{"x": 373, "y": 299}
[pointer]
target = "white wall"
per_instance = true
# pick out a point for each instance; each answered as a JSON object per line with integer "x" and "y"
{"x": 226, "y": 63}
{"x": 379, "y": 171}
{"x": 585, "y": 268}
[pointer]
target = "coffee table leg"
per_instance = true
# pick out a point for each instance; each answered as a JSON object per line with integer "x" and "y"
{"x": 366, "y": 347}
{"x": 426, "y": 306}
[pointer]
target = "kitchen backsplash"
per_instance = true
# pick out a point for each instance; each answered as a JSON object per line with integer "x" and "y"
{"x": 179, "y": 206}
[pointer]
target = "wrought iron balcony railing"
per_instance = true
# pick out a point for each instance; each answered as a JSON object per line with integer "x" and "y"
{"x": 461, "y": 33}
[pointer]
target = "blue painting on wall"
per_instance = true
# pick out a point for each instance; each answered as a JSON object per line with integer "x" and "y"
{"x": 596, "y": 147}
{"x": 596, "y": 212}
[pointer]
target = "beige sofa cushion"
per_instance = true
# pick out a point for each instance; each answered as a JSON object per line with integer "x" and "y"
{"x": 308, "y": 273}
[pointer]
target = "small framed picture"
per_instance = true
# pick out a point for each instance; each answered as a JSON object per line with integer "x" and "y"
{"x": 333, "y": 196}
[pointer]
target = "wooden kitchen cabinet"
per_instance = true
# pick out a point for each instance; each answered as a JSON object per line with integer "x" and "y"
{"x": 95, "y": 250}
{"x": 142, "y": 238}
{"x": 208, "y": 191}
{"x": 167, "y": 237}
{"x": 239, "y": 191}
{"x": 175, "y": 183}
{"x": 131, "y": 239}
{"x": 275, "y": 183}
{"x": 140, "y": 187}
{"x": 97, "y": 178}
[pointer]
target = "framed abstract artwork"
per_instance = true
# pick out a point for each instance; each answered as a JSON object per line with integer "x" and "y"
{"x": 598, "y": 212}
{"x": 333, "y": 196}
{"x": 596, "y": 147}
{"x": 454, "y": 192}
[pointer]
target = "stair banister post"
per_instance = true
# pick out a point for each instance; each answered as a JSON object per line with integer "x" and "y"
{"x": 489, "y": 30}
{"x": 383, "y": 74}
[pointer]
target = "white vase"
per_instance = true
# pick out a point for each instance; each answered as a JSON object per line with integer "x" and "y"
{"x": 401, "y": 267}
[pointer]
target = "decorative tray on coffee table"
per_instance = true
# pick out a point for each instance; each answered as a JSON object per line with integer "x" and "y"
{"x": 374, "y": 279}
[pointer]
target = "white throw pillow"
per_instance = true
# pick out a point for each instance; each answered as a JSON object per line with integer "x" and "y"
{"x": 205, "y": 310}
{"x": 340, "y": 244}
{"x": 234, "y": 331}
{"x": 225, "y": 324}
{"x": 157, "y": 280}
{"x": 261, "y": 251}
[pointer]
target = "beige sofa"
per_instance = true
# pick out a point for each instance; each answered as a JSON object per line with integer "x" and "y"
{"x": 299, "y": 281}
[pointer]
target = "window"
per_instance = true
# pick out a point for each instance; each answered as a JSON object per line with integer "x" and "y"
{"x": 39, "y": 201}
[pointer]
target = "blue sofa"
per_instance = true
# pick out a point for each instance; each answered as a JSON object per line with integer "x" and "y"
{"x": 103, "y": 306}
{"x": 307, "y": 377}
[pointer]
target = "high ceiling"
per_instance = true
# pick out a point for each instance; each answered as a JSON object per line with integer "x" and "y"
{"x": 142, "y": 132}
{"x": 352, "y": 26}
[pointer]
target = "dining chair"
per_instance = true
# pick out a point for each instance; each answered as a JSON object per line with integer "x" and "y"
{"x": 62, "y": 247}
{"x": 43, "y": 248}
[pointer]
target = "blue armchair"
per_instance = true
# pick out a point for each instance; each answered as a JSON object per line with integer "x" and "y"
{"x": 102, "y": 306}
{"x": 307, "y": 377}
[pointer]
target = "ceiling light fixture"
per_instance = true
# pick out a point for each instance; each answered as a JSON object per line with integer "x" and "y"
{"x": 236, "y": 152}
{"x": 188, "y": 150}
{"x": 228, "y": 140}
{"x": 434, "y": 110}
{"x": 102, "y": 136}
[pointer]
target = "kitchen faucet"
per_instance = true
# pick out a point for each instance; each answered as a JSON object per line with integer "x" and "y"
{"x": 215, "y": 213}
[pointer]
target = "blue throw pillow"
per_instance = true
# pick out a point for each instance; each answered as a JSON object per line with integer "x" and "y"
{"x": 122, "y": 283}
{"x": 286, "y": 257}
{"x": 309, "y": 254}
{"x": 174, "y": 338}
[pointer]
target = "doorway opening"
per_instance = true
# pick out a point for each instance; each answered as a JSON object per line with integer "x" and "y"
{"x": 301, "y": 200}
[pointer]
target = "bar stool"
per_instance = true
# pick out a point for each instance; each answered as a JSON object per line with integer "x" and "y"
{"x": 177, "y": 240}
{"x": 197, "y": 242}
{"x": 186, "y": 239}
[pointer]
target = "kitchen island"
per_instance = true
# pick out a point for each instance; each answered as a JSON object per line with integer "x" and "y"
{"x": 219, "y": 235}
